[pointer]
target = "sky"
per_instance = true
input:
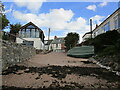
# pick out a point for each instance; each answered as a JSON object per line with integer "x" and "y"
{"x": 60, "y": 17}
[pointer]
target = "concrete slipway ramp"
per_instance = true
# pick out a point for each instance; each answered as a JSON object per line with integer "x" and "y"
{"x": 81, "y": 52}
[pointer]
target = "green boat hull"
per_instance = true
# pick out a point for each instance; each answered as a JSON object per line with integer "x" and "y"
{"x": 81, "y": 52}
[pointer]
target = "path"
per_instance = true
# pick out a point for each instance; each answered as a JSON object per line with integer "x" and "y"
{"x": 58, "y": 59}
{"x": 58, "y": 71}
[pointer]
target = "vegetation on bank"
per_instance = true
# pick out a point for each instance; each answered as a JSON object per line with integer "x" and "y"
{"x": 106, "y": 44}
{"x": 107, "y": 48}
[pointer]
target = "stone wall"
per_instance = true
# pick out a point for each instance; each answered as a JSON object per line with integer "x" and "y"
{"x": 13, "y": 53}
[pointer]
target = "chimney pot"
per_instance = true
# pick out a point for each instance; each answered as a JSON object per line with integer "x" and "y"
{"x": 55, "y": 37}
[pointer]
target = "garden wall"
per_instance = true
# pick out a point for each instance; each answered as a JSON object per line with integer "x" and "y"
{"x": 13, "y": 53}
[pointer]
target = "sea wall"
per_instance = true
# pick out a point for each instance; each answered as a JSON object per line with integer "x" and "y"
{"x": 13, "y": 53}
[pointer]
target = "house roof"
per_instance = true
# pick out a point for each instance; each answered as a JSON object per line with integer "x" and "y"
{"x": 107, "y": 18}
{"x": 58, "y": 41}
{"x": 48, "y": 42}
{"x": 30, "y": 23}
{"x": 86, "y": 34}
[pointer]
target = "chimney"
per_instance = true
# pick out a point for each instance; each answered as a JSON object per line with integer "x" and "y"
{"x": 96, "y": 26}
{"x": 55, "y": 37}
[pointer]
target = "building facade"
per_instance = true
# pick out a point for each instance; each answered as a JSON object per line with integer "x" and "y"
{"x": 109, "y": 24}
{"x": 86, "y": 36}
{"x": 47, "y": 44}
{"x": 58, "y": 45}
{"x": 31, "y": 35}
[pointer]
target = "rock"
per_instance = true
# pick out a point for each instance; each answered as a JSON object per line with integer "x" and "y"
{"x": 110, "y": 64}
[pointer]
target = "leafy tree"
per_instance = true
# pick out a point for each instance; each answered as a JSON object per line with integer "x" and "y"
{"x": 14, "y": 29}
{"x": 71, "y": 40}
{"x": 4, "y": 22}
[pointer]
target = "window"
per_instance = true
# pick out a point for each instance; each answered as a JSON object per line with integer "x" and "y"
{"x": 32, "y": 33}
{"x": 28, "y": 43}
{"x": 30, "y": 26}
{"x": 37, "y": 33}
{"x": 23, "y": 33}
{"x": 20, "y": 33}
{"x": 119, "y": 20}
{"x": 96, "y": 33}
{"x": 106, "y": 27}
{"x": 56, "y": 45}
{"x": 27, "y": 33}
{"x": 116, "y": 23}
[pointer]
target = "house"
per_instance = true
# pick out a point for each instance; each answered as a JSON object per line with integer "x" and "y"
{"x": 86, "y": 36}
{"x": 47, "y": 44}
{"x": 110, "y": 23}
{"x": 58, "y": 44}
{"x": 31, "y": 35}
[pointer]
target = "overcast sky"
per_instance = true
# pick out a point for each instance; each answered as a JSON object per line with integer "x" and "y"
{"x": 61, "y": 17}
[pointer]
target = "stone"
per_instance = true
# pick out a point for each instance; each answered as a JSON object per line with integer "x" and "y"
{"x": 13, "y": 53}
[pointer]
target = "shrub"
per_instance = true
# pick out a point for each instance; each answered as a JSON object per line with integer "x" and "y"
{"x": 117, "y": 45}
{"x": 111, "y": 50}
{"x": 105, "y": 40}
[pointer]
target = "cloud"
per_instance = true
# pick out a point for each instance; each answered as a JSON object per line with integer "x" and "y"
{"x": 94, "y": 7}
{"x": 57, "y": 20}
{"x": 97, "y": 19}
{"x": 91, "y": 7}
{"x": 103, "y": 4}
{"x": 32, "y": 5}
{"x": 8, "y": 10}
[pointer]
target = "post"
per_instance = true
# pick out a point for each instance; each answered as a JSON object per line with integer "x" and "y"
{"x": 119, "y": 4}
{"x": 48, "y": 36}
{"x": 91, "y": 27}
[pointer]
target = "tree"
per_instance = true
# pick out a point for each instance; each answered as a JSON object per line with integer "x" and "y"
{"x": 4, "y": 22}
{"x": 71, "y": 40}
{"x": 14, "y": 29}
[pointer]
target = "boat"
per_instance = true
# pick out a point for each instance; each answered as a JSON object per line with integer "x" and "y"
{"x": 81, "y": 52}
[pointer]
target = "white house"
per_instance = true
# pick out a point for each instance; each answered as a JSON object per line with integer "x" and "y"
{"x": 86, "y": 36}
{"x": 110, "y": 23}
{"x": 31, "y": 35}
{"x": 58, "y": 45}
{"x": 47, "y": 44}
